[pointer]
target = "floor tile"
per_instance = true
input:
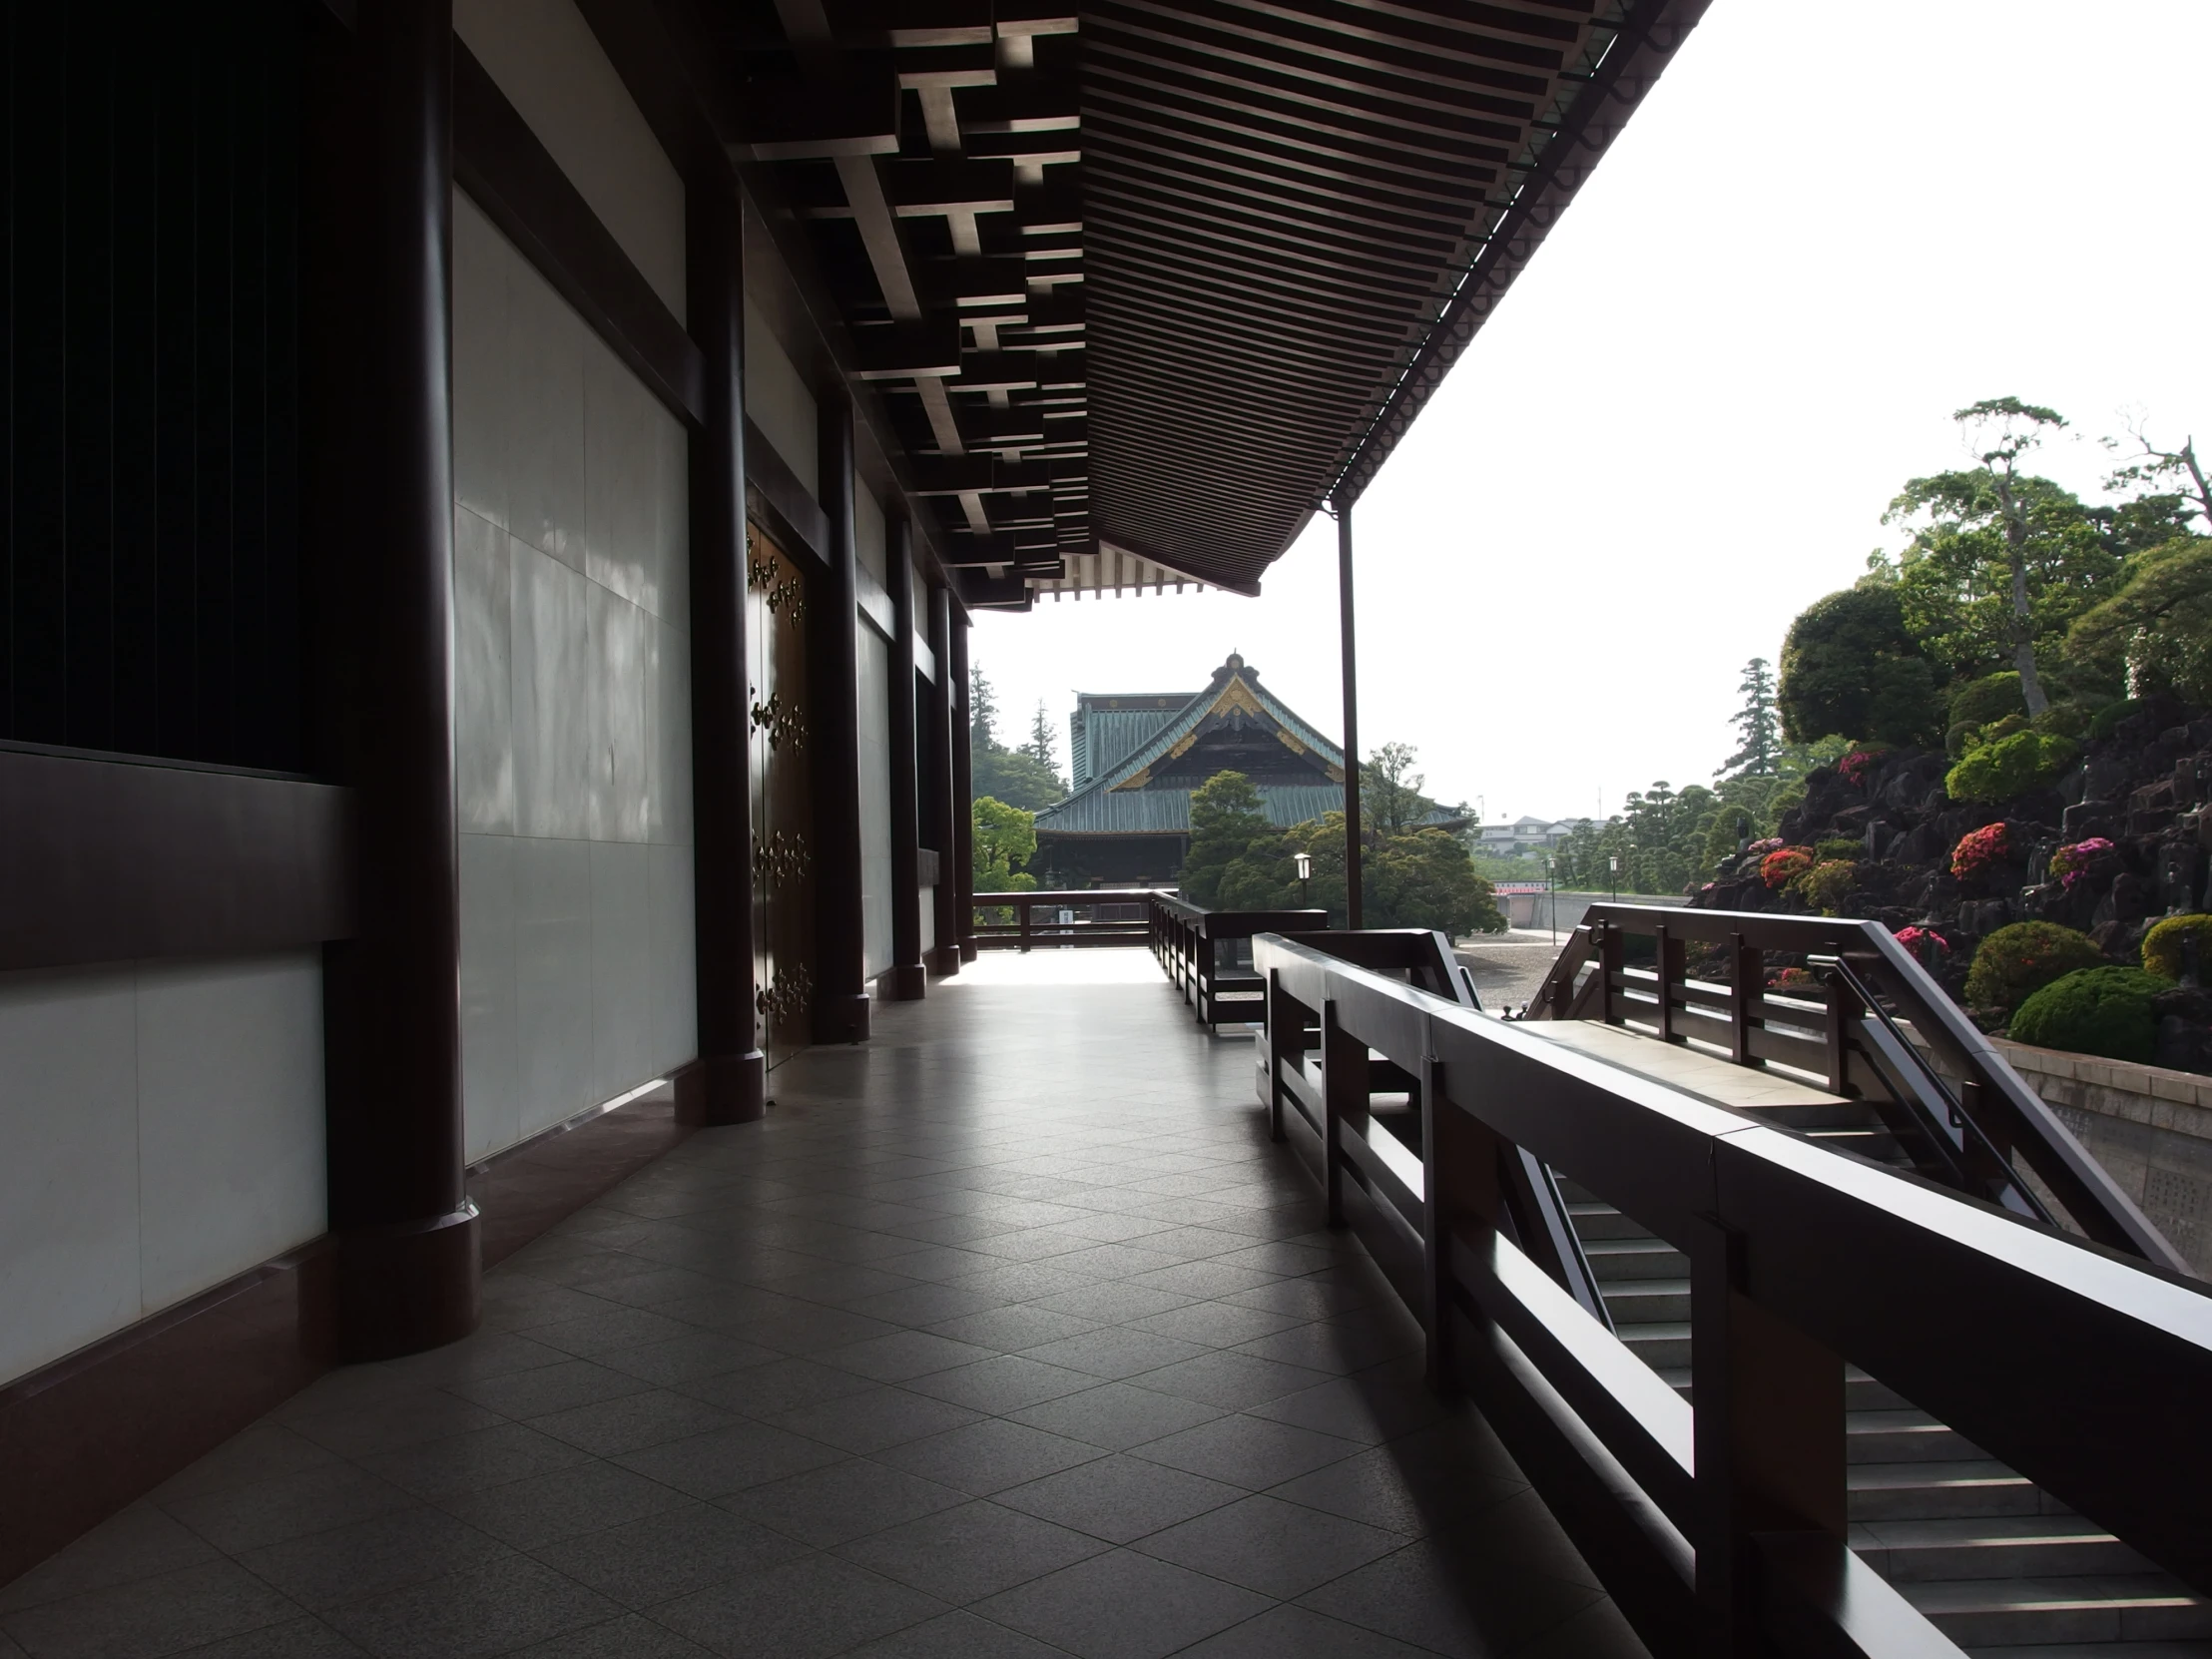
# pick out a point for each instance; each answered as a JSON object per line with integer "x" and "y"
{"x": 658, "y": 1557}
{"x": 1278, "y": 1549}
{"x": 1216, "y": 1324}
{"x": 268, "y": 1512}
{"x": 905, "y": 1354}
{"x": 1234, "y": 1381}
{"x": 166, "y": 1613}
{"x": 1116, "y": 1415}
{"x": 841, "y": 1501}
{"x": 562, "y": 1503}
{"x": 261, "y": 1452}
{"x": 523, "y": 1395}
{"x": 1004, "y": 1383}
{"x": 686, "y": 1359}
{"x": 489, "y": 1610}
{"x": 1010, "y": 1330}
{"x": 141, "y": 1541}
{"x": 1111, "y": 1304}
{"x": 878, "y": 1417}
{"x": 1120, "y": 1498}
{"x": 632, "y": 1421}
{"x": 1409, "y": 1494}
{"x": 956, "y": 1636}
{"x": 1115, "y": 1351}
{"x": 307, "y": 1638}
{"x": 729, "y": 1459}
{"x": 369, "y": 1558}
{"x": 1470, "y": 1609}
{"x": 803, "y": 1609}
{"x": 1302, "y": 1633}
{"x": 471, "y": 1461}
{"x": 1246, "y": 1452}
{"x": 990, "y": 1455}
{"x": 781, "y": 1386}
{"x": 973, "y": 1550}
{"x": 633, "y": 1636}
{"x": 1122, "y": 1606}
{"x": 1368, "y": 1408}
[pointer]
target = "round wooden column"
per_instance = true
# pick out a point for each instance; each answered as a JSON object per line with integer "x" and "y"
{"x": 833, "y": 672}
{"x": 406, "y": 1258}
{"x": 909, "y": 979}
{"x": 730, "y": 1082}
{"x": 964, "y": 790}
{"x": 945, "y": 955}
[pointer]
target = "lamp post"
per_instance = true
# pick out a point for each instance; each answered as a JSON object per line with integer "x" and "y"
{"x": 1305, "y": 861}
{"x": 1613, "y": 866}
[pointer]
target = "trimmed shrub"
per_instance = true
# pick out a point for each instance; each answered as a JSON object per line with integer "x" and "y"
{"x": 2101, "y": 722}
{"x": 2101, "y": 1010}
{"x": 1779, "y": 869}
{"x": 2016, "y": 961}
{"x": 1841, "y": 846}
{"x": 1979, "y": 848}
{"x": 1826, "y": 883}
{"x": 1962, "y": 736}
{"x": 2163, "y": 945}
{"x": 2010, "y": 767}
{"x": 1989, "y": 699}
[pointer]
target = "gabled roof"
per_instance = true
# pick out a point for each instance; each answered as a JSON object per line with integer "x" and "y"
{"x": 1121, "y": 798}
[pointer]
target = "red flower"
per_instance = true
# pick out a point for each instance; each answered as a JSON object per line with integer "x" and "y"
{"x": 1977, "y": 849}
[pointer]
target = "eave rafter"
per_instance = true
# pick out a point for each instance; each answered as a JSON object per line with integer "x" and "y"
{"x": 1148, "y": 281}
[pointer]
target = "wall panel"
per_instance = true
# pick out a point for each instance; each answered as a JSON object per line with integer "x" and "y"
{"x": 875, "y": 797}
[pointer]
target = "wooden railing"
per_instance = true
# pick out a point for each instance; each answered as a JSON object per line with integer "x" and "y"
{"x": 1206, "y": 955}
{"x": 1872, "y": 1024}
{"x": 1721, "y": 1529}
{"x": 1093, "y": 916}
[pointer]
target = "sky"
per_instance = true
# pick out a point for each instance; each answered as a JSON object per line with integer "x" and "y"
{"x": 1824, "y": 230}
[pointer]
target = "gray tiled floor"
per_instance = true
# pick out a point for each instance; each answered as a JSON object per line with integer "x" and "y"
{"x": 1006, "y": 1335}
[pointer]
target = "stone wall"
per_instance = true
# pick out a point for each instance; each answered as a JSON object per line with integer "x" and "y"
{"x": 2150, "y": 1127}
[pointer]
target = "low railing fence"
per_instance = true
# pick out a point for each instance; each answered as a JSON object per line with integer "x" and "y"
{"x": 1206, "y": 955}
{"x": 1720, "y": 1528}
{"x": 1951, "y": 1101}
{"x": 1060, "y": 918}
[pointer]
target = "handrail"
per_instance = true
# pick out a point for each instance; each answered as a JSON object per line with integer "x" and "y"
{"x": 1187, "y": 937}
{"x": 2083, "y": 1370}
{"x": 1745, "y": 1019}
{"x": 1025, "y": 933}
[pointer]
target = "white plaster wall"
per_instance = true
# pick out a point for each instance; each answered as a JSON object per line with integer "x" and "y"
{"x": 874, "y": 656}
{"x": 572, "y": 707}
{"x": 777, "y": 400}
{"x": 868, "y": 541}
{"x": 544, "y": 57}
{"x": 160, "y": 1131}
{"x": 928, "y": 920}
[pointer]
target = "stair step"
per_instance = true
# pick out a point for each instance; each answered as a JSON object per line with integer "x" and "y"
{"x": 2113, "y": 1607}
{"x": 1663, "y": 1344}
{"x": 1928, "y": 1491}
{"x": 1862, "y": 1394}
{"x": 1645, "y": 1258}
{"x": 1902, "y": 1436}
{"x": 1644, "y": 1301}
{"x": 2002, "y": 1546}
{"x": 2095, "y": 1650}
{"x": 1601, "y": 1221}
{"x": 1810, "y": 1116}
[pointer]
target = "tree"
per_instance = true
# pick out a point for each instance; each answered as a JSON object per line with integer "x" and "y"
{"x": 1015, "y": 777}
{"x": 2150, "y": 464}
{"x": 1424, "y": 878}
{"x": 1005, "y": 840}
{"x": 1758, "y": 730}
{"x": 1850, "y": 665}
{"x": 2157, "y": 629}
{"x": 1227, "y": 827}
{"x": 982, "y": 712}
{"x": 1389, "y": 791}
{"x": 1041, "y": 740}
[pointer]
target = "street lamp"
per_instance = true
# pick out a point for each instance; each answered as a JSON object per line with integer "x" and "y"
{"x": 1304, "y": 863}
{"x": 1613, "y": 864}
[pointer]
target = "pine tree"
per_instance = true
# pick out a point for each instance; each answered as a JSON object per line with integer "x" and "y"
{"x": 1757, "y": 725}
{"x": 982, "y": 714}
{"x": 1040, "y": 738}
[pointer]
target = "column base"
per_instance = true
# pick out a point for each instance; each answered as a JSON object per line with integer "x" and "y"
{"x": 967, "y": 950}
{"x": 408, "y": 1287}
{"x": 943, "y": 961}
{"x": 908, "y": 982}
{"x": 720, "y": 1089}
{"x": 841, "y": 1019}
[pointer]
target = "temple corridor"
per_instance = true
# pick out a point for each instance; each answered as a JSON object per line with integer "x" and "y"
{"x": 1005, "y": 1333}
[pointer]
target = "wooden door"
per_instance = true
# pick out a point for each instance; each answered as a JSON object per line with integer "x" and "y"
{"x": 783, "y": 810}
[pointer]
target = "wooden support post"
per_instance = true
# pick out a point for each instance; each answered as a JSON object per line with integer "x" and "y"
{"x": 1769, "y": 1437}
{"x": 840, "y": 1012}
{"x": 730, "y": 1083}
{"x": 1666, "y": 957}
{"x": 1022, "y": 915}
{"x": 1843, "y": 1008}
{"x": 909, "y": 979}
{"x": 1348, "y": 645}
{"x": 945, "y": 709}
{"x": 963, "y": 787}
{"x": 1612, "y": 961}
{"x": 1286, "y": 1045}
{"x": 407, "y": 1258}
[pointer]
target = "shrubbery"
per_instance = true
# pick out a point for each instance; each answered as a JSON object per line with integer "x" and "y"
{"x": 2100, "y": 1010}
{"x": 1841, "y": 846}
{"x": 2164, "y": 946}
{"x": 2021, "y": 960}
{"x": 1784, "y": 865}
{"x": 1825, "y": 885}
{"x": 1979, "y": 849}
{"x": 2009, "y": 766}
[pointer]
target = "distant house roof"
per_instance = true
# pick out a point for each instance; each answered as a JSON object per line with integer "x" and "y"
{"x": 1117, "y": 741}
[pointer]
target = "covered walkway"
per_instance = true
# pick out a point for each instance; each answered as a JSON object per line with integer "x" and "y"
{"x": 1007, "y": 1333}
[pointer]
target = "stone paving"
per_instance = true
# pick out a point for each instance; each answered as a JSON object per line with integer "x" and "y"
{"x": 1008, "y": 1333}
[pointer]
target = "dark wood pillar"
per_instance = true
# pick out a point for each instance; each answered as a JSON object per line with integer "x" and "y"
{"x": 730, "y": 1082}
{"x": 909, "y": 979}
{"x": 964, "y": 790}
{"x": 1349, "y": 645}
{"x": 945, "y": 956}
{"x": 406, "y": 1260}
{"x": 833, "y": 747}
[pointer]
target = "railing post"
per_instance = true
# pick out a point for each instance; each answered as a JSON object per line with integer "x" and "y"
{"x": 1747, "y": 974}
{"x": 1205, "y": 960}
{"x": 1022, "y": 915}
{"x": 1769, "y": 1437}
{"x": 1843, "y": 1008}
{"x": 1343, "y": 1099}
{"x": 1285, "y": 1040}
{"x": 1669, "y": 955}
{"x": 1611, "y": 961}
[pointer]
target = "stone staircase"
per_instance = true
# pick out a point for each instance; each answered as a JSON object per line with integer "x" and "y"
{"x": 1999, "y": 1565}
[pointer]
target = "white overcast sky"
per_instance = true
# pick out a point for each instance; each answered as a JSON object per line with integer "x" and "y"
{"x": 1826, "y": 229}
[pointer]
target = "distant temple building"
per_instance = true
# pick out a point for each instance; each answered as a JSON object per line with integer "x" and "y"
{"x": 1136, "y": 757}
